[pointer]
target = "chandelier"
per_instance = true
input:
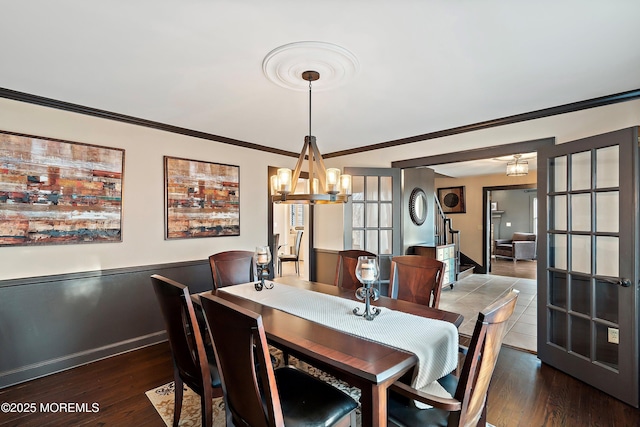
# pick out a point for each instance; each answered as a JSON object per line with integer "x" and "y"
{"x": 517, "y": 167}
{"x": 323, "y": 186}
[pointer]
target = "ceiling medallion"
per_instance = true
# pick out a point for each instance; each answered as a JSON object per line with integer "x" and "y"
{"x": 285, "y": 65}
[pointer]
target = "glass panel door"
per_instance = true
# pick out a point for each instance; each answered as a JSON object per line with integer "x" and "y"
{"x": 372, "y": 217}
{"x": 588, "y": 323}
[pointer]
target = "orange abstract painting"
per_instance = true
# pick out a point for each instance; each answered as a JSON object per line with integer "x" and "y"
{"x": 202, "y": 199}
{"x": 58, "y": 192}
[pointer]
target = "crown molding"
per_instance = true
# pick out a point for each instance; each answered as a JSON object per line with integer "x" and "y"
{"x": 109, "y": 115}
{"x": 546, "y": 112}
{"x": 538, "y": 114}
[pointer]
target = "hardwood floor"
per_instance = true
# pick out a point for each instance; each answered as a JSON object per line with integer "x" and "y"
{"x": 523, "y": 393}
{"x": 116, "y": 384}
{"x": 523, "y": 269}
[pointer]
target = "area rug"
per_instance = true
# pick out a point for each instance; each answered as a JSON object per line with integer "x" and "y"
{"x": 162, "y": 397}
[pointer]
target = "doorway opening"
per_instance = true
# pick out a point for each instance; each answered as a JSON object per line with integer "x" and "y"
{"x": 511, "y": 227}
{"x": 284, "y": 221}
{"x": 475, "y": 292}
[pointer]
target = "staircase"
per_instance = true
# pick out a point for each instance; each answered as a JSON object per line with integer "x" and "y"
{"x": 445, "y": 235}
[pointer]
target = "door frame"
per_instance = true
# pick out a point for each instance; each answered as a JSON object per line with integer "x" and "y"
{"x": 309, "y": 263}
{"x": 479, "y": 154}
{"x": 476, "y": 154}
{"x": 485, "y": 267}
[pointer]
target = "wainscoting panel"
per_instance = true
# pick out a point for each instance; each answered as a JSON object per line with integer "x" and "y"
{"x": 53, "y": 323}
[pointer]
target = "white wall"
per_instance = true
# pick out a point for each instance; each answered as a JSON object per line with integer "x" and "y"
{"x": 143, "y": 217}
{"x": 328, "y": 227}
{"x": 143, "y": 199}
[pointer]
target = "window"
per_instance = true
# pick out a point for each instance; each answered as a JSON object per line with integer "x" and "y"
{"x": 296, "y": 216}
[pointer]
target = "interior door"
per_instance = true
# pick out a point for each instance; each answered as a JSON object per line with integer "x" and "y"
{"x": 372, "y": 219}
{"x": 588, "y": 286}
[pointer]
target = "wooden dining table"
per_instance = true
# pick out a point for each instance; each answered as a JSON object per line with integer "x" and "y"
{"x": 370, "y": 366}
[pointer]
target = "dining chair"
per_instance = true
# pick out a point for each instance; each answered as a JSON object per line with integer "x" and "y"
{"x": 416, "y": 278}
{"x": 255, "y": 393}
{"x": 294, "y": 257}
{"x": 346, "y": 268}
{"x": 231, "y": 268}
{"x": 468, "y": 406}
{"x": 191, "y": 364}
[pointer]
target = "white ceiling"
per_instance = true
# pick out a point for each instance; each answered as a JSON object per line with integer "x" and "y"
{"x": 424, "y": 66}
{"x": 483, "y": 166}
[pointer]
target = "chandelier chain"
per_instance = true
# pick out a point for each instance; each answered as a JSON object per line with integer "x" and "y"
{"x": 309, "y": 107}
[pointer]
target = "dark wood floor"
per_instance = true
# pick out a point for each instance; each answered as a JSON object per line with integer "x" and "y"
{"x": 523, "y": 393}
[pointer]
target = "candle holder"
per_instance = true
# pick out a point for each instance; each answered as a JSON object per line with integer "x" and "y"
{"x": 367, "y": 273}
{"x": 262, "y": 257}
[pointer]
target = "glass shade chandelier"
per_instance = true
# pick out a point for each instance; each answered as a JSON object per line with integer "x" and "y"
{"x": 324, "y": 185}
{"x": 517, "y": 167}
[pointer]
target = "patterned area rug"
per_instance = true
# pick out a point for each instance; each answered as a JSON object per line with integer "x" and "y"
{"x": 162, "y": 397}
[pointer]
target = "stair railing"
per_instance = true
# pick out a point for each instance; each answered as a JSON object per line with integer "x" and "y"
{"x": 445, "y": 234}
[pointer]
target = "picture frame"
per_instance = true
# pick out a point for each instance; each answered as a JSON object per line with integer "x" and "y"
{"x": 452, "y": 199}
{"x": 202, "y": 199}
{"x": 494, "y": 206}
{"x": 56, "y": 192}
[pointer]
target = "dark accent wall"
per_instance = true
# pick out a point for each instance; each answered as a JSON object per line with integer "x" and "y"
{"x": 515, "y": 207}
{"x": 53, "y": 323}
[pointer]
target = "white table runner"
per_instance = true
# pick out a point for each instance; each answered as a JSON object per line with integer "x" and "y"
{"x": 434, "y": 342}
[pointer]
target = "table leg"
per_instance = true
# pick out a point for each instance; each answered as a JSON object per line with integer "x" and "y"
{"x": 373, "y": 402}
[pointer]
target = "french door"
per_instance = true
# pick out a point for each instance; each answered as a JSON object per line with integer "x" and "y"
{"x": 588, "y": 286}
{"x": 372, "y": 219}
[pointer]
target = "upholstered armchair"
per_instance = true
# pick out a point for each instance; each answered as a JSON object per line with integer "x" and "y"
{"x": 520, "y": 246}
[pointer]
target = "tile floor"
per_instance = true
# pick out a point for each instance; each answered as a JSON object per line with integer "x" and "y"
{"x": 473, "y": 293}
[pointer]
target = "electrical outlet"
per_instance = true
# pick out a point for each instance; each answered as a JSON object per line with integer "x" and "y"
{"x": 508, "y": 224}
{"x": 613, "y": 335}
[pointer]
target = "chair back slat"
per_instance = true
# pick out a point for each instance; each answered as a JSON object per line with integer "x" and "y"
{"x": 298, "y": 243}
{"x": 245, "y": 365}
{"x": 346, "y": 268}
{"x": 183, "y": 332}
{"x": 481, "y": 360}
{"x": 231, "y": 268}
{"x": 416, "y": 278}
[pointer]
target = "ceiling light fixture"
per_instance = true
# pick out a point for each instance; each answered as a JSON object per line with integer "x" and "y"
{"x": 517, "y": 167}
{"x": 324, "y": 185}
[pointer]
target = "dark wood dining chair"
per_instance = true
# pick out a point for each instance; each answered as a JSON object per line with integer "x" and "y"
{"x": 416, "y": 278}
{"x": 346, "y": 268}
{"x": 231, "y": 268}
{"x": 255, "y": 393}
{"x": 191, "y": 364}
{"x": 469, "y": 391}
{"x": 294, "y": 257}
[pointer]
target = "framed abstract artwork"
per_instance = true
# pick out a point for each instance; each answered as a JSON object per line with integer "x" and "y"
{"x": 452, "y": 199}
{"x": 202, "y": 199}
{"x": 59, "y": 192}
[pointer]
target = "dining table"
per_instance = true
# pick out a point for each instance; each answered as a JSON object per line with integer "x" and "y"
{"x": 369, "y": 365}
